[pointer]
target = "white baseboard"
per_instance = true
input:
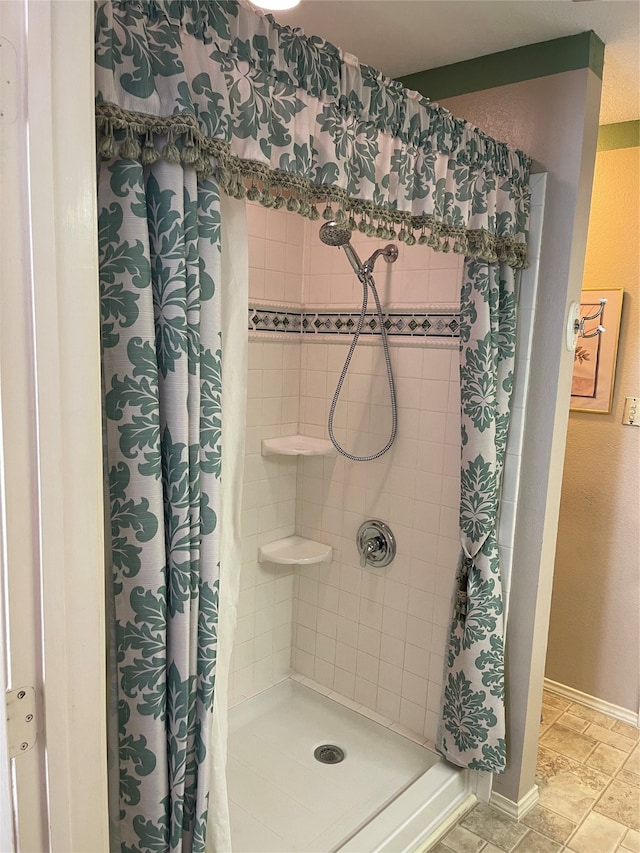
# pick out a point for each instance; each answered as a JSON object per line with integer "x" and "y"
{"x": 572, "y": 695}
{"x": 516, "y": 811}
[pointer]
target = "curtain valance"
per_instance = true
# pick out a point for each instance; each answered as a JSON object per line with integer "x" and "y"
{"x": 291, "y": 120}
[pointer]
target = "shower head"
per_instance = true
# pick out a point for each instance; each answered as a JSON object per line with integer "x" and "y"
{"x": 333, "y": 234}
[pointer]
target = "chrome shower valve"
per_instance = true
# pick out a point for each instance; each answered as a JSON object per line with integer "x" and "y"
{"x": 376, "y": 544}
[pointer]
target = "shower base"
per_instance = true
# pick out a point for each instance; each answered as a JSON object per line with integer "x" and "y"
{"x": 388, "y": 794}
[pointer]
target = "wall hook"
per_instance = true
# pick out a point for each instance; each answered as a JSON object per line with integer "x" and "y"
{"x": 579, "y": 324}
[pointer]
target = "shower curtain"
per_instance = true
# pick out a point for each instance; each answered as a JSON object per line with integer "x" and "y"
{"x": 471, "y": 731}
{"x": 193, "y": 99}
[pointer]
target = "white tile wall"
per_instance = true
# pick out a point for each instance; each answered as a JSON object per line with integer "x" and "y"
{"x": 276, "y": 249}
{"x": 375, "y": 637}
{"x": 262, "y": 650}
{"x": 419, "y": 276}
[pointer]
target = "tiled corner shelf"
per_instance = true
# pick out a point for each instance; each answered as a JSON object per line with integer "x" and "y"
{"x": 297, "y": 445}
{"x": 294, "y": 550}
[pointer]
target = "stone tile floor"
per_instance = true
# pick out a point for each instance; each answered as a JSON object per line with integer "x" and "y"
{"x": 589, "y": 781}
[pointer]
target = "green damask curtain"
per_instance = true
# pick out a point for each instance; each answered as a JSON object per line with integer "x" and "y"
{"x": 472, "y": 728}
{"x": 290, "y": 120}
{"x": 193, "y": 96}
{"x": 159, "y": 240}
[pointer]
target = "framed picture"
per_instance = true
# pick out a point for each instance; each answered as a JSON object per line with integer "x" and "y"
{"x": 594, "y": 365}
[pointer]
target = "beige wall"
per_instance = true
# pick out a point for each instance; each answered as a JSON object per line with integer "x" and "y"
{"x": 555, "y": 120}
{"x": 594, "y": 631}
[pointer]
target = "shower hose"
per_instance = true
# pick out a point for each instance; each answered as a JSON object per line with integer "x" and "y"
{"x": 367, "y": 281}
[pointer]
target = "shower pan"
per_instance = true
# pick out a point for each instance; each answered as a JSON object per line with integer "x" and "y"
{"x": 386, "y": 794}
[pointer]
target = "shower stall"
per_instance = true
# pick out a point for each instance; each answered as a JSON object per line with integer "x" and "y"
{"x": 350, "y": 601}
{"x": 329, "y": 651}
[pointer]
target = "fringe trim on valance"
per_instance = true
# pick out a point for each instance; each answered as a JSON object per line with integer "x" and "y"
{"x": 273, "y": 188}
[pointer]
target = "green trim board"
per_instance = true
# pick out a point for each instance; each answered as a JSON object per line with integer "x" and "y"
{"x": 624, "y": 134}
{"x": 569, "y": 53}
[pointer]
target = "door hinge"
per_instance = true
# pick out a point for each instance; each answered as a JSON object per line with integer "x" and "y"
{"x": 22, "y": 727}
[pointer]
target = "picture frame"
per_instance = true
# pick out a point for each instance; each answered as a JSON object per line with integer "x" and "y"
{"x": 594, "y": 365}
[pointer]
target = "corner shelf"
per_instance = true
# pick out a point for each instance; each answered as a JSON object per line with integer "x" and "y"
{"x": 295, "y": 550}
{"x": 297, "y": 445}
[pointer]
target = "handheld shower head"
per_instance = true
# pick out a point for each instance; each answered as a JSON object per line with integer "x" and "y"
{"x": 333, "y": 234}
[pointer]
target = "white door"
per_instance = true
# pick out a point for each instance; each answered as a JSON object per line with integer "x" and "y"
{"x": 51, "y": 478}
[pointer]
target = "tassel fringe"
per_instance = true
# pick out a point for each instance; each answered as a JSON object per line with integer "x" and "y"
{"x": 134, "y": 136}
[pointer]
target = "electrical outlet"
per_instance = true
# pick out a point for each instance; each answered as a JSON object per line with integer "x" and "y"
{"x": 631, "y": 413}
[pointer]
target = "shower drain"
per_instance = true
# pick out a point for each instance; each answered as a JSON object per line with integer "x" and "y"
{"x": 328, "y": 754}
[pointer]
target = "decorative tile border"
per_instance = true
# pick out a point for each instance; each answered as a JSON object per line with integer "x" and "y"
{"x": 282, "y": 320}
{"x": 398, "y": 323}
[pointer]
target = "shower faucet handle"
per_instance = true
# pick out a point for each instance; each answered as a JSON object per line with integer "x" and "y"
{"x": 376, "y": 544}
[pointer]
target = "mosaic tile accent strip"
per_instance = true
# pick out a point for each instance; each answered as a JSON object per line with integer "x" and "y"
{"x": 271, "y": 320}
{"x": 397, "y": 323}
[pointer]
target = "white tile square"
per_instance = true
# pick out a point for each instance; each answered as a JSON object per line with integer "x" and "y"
{"x": 282, "y": 638}
{"x": 308, "y": 590}
{"x": 429, "y": 487}
{"x": 420, "y": 604}
{"x": 370, "y": 614}
{"x": 264, "y": 621}
{"x": 284, "y": 588}
{"x": 434, "y": 395}
{"x": 256, "y": 219}
{"x": 257, "y": 252}
{"x": 306, "y": 640}
{"x": 306, "y": 615}
{"x": 365, "y": 692}
{"x": 392, "y": 650}
{"x": 434, "y": 696}
{"x": 390, "y": 677}
{"x": 369, "y": 640}
{"x": 243, "y": 654}
{"x": 426, "y": 517}
{"x": 344, "y": 683}
{"x": 367, "y": 666}
{"x": 324, "y": 672}
{"x": 325, "y": 648}
{"x": 416, "y": 660}
{"x": 396, "y": 595}
{"x": 388, "y": 704}
{"x": 276, "y": 226}
{"x": 348, "y": 605}
{"x": 414, "y": 688}
{"x": 431, "y": 723}
{"x": 412, "y": 715}
{"x": 347, "y": 631}
{"x": 436, "y": 668}
{"x": 327, "y": 623}
{"x": 304, "y": 663}
{"x": 447, "y": 555}
{"x": 420, "y": 631}
{"x": 394, "y": 622}
{"x": 346, "y": 657}
{"x": 328, "y": 597}
{"x": 433, "y": 427}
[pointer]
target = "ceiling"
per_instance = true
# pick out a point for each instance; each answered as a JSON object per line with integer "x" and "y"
{"x": 403, "y": 36}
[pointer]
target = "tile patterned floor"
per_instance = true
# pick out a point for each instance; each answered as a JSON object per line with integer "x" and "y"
{"x": 589, "y": 780}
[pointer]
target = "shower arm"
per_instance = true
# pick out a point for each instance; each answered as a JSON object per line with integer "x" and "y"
{"x": 389, "y": 253}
